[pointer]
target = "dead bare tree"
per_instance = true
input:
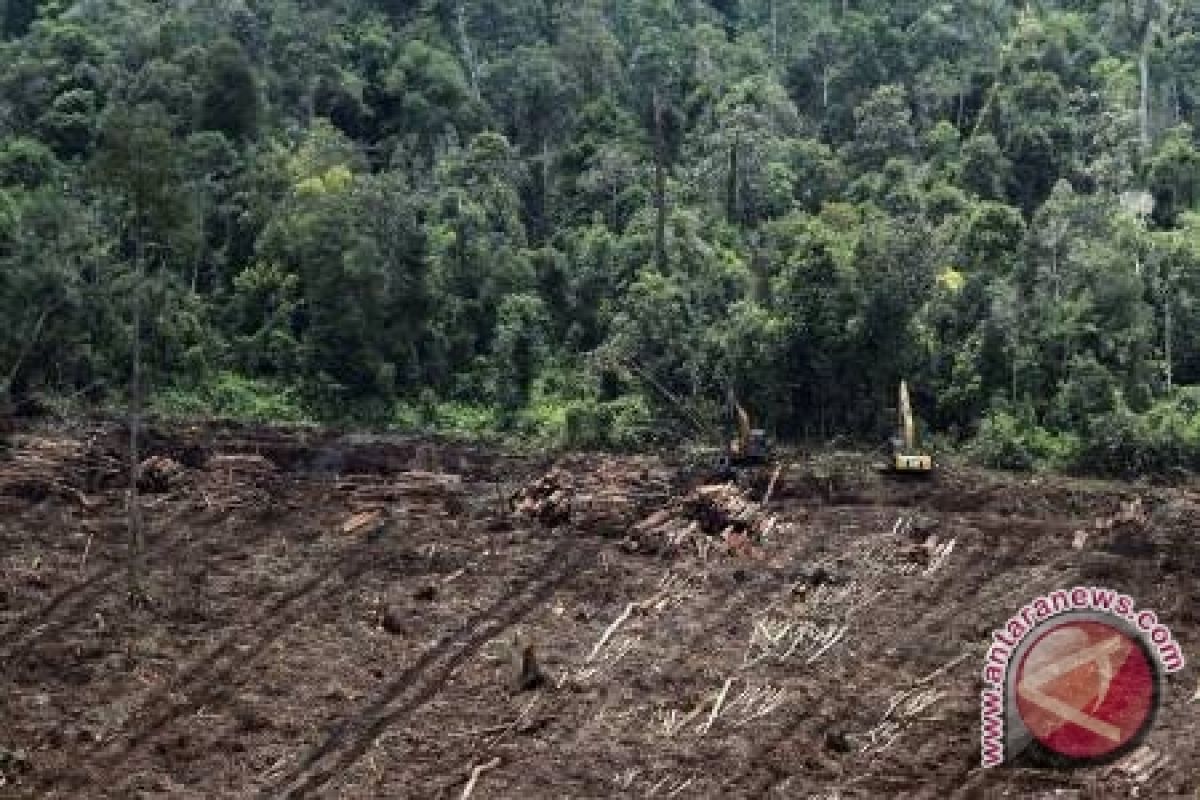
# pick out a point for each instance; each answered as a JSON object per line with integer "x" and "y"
{"x": 137, "y": 538}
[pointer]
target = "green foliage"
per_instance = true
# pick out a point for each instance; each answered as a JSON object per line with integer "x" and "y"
{"x": 1006, "y": 441}
{"x": 229, "y": 101}
{"x": 1164, "y": 440}
{"x": 232, "y": 396}
{"x": 626, "y": 423}
{"x": 581, "y": 223}
{"x": 26, "y": 162}
{"x": 1174, "y": 175}
{"x": 461, "y": 419}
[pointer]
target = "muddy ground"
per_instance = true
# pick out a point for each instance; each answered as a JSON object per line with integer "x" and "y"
{"x": 347, "y": 617}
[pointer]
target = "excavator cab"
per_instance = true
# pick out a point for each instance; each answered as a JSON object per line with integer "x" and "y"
{"x": 745, "y": 449}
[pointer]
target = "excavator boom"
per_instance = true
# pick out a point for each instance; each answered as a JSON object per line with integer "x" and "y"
{"x": 907, "y": 429}
{"x": 743, "y": 426}
{"x": 906, "y": 457}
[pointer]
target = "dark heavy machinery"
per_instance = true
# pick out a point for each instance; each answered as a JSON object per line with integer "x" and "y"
{"x": 746, "y": 447}
{"x": 906, "y": 457}
{"x": 747, "y": 455}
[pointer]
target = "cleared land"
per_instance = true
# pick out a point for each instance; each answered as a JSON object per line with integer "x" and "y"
{"x": 359, "y": 617}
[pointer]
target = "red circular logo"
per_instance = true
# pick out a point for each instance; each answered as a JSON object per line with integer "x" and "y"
{"x": 1086, "y": 689}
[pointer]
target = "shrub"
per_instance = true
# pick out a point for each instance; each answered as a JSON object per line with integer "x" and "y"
{"x": 632, "y": 423}
{"x": 1005, "y": 441}
{"x": 462, "y": 419}
{"x": 625, "y": 423}
{"x": 233, "y": 396}
{"x": 1001, "y": 443}
{"x": 1164, "y": 439}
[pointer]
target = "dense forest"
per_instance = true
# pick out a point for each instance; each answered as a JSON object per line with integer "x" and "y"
{"x": 584, "y": 220}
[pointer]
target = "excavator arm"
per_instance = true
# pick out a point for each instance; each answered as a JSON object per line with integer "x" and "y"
{"x": 743, "y": 428}
{"x": 908, "y": 431}
{"x": 906, "y": 458}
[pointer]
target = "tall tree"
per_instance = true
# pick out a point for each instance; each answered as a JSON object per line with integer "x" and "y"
{"x": 137, "y": 162}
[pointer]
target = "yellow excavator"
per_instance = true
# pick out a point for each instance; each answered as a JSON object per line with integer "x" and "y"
{"x": 746, "y": 449}
{"x": 907, "y": 458}
{"x": 750, "y": 447}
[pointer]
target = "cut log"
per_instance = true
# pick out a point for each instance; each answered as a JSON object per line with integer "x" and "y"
{"x": 366, "y": 520}
{"x": 242, "y": 464}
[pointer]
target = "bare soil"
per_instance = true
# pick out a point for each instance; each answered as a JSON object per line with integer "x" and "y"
{"x": 351, "y": 617}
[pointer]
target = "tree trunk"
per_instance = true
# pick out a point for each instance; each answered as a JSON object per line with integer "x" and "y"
{"x": 660, "y": 187}
{"x": 732, "y": 201}
{"x": 1153, "y": 8}
{"x": 468, "y": 53}
{"x": 774, "y": 33}
{"x": 1012, "y": 367}
{"x": 1054, "y": 269}
{"x": 544, "y": 222}
{"x": 27, "y": 346}
{"x": 1167, "y": 340}
{"x": 135, "y": 543}
{"x": 1144, "y": 101}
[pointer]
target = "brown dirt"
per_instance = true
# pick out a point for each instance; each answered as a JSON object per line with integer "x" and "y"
{"x": 281, "y": 656}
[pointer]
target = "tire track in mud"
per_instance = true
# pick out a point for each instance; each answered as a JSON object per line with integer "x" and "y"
{"x": 720, "y": 605}
{"x": 211, "y": 673}
{"x": 64, "y": 609}
{"x": 346, "y": 741}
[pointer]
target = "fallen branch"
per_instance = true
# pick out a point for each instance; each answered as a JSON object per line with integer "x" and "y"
{"x": 716, "y": 709}
{"x": 939, "y": 556}
{"x": 681, "y": 787}
{"x": 832, "y": 640}
{"x": 470, "y": 734}
{"x": 654, "y": 789}
{"x": 362, "y": 520}
{"x": 942, "y": 670}
{"x": 771, "y": 486}
{"x": 610, "y": 630}
{"x": 513, "y": 725}
{"x": 674, "y": 722}
{"x": 86, "y": 549}
{"x": 475, "y": 773}
{"x": 757, "y": 703}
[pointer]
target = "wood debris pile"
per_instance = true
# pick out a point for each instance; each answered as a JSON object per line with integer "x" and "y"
{"x": 426, "y": 493}
{"x": 722, "y": 509}
{"x": 715, "y": 512}
{"x": 603, "y": 496}
{"x": 99, "y": 467}
{"x": 239, "y": 481}
{"x": 920, "y": 543}
{"x": 547, "y": 499}
{"x": 160, "y": 474}
{"x": 243, "y": 466}
{"x": 40, "y": 466}
{"x": 636, "y": 500}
